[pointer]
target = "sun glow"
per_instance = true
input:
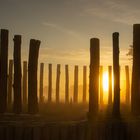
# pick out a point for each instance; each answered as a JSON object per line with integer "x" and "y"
{"x": 105, "y": 81}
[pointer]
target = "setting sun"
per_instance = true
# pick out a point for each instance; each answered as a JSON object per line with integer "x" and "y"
{"x": 105, "y": 81}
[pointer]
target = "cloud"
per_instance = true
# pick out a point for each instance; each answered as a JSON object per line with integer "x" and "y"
{"x": 115, "y": 11}
{"x": 62, "y": 29}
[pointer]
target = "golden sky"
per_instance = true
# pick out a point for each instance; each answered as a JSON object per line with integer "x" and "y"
{"x": 66, "y": 26}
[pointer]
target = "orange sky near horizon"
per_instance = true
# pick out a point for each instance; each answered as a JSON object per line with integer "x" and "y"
{"x": 66, "y": 26}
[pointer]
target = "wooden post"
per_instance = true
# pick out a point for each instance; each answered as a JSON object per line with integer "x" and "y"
{"x": 41, "y": 82}
{"x": 58, "y": 83}
{"x": 101, "y": 86}
{"x": 135, "y": 93}
{"x": 10, "y": 84}
{"x": 75, "y": 98}
{"x": 127, "y": 85}
{"x": 84, "y": 83}
{"x": 32, "y": 76}
{"x": 110, "y": 85}
{"x": 50, "y": 83}
{"x": 17, "y": 107}
{"x": 116, "y": 72}
{"x": 66, "y": 83}
{"x": 3, "y": 69}
{"x": 25, "y": 83}
{"x": 94, "y": 78}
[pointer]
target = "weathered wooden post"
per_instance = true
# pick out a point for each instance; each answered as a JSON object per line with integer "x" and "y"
{"x": 3, "y": 69}
{"x": 75, "y": 98}
{"x": 101, "y": 86}
{"x": 110, "y": 85}
{"x": 135, "y": 93}
{"x": 84, "y": 83}
{"x": 10, "y": 84}
{"x": 17, "y": 106}
{"x": 116, "y": 72}
{"x": 127, "y": 85}
{"x": 58, "y": 83}
{"x": 94, "y": 78}
{"x": 66, "y": 83}
{"x": 32, "y": 76}
{"x": 41, "y": 82}
{"x": 50, "y": 83}
{"x": 25, "y": 69}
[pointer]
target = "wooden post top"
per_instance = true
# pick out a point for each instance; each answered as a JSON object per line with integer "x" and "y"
{"x": 17, "y": 39}
{"x": 94, "y": 39}
{"x": 136, "y": 26}
{"x": 34, "y": 41}
{"x": 4, "y": 30}
{"x": 115, "y": 34}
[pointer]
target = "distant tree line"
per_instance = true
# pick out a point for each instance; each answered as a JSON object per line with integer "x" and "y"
{"x": 130, "y": 52}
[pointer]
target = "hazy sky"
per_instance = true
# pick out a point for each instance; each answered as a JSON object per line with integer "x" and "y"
{"x": 66, "y": 26}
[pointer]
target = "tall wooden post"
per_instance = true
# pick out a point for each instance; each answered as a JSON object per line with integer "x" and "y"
{"x": 66, "y": 83}
{"x": 94, "y": 78}
{"x": 116, "y": 72}
{"x": 101, "y": 86}
{"x": 84, "y": 83}
{"x": 10, "y": 84}
{"x": 50, "y": 83}
{"x": 3, "y": 69}
{"x": 127, "y": 85}
{"x": 110, "y": 85}
{"x": 32, "y": 76}
{"x": 75, "y": 98}
{"x": 58, "y": 83}
{"x": 135, "y": 93}
{"x": 17, "y": 74}
{"x": 41, "y": 82}
{"x": 25, "y": 83}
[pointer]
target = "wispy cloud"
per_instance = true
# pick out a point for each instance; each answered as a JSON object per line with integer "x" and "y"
{"x": 115, "y": 11}
{"x": 62, "y": 29}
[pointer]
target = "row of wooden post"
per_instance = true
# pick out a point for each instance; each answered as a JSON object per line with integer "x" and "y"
{"x": 41, "y": 85}
{"x": 32, "y": 74}
{"x": 58, "y": 71}
{"x": 94, "y": 70}
{"x": 31, "y": 87}
{"x": 75, "y": 99}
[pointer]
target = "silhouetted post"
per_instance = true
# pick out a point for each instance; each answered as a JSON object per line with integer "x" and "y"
{"x": 66, "y": 83}
{"x": 127, "y": 85}
{"x": 10, "y": 84}
{"x": 32, "y": 76}
{"x": 58, "y": 83}
{"x": 135, "y": 97}
{"x": 17, "y": 74}
{"x": 75, "y": 98}
{"x": 110, "y": 85}
{"x": 116, "y": 72}
{"x": 41, "y": 82}
{"x": 101, "y": 86}
{"x": 94, "y": 78}
{"x": 3, "y": 69}
{"x": 84, "y": 83}
{"x": 25, "y": 83}
{"x": 50, "y": 83}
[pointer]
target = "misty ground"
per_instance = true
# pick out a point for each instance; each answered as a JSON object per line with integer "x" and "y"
{"x": 61, "y": 112}
{"x": 72, "y": 119}
{"x": 50, "y": 112}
